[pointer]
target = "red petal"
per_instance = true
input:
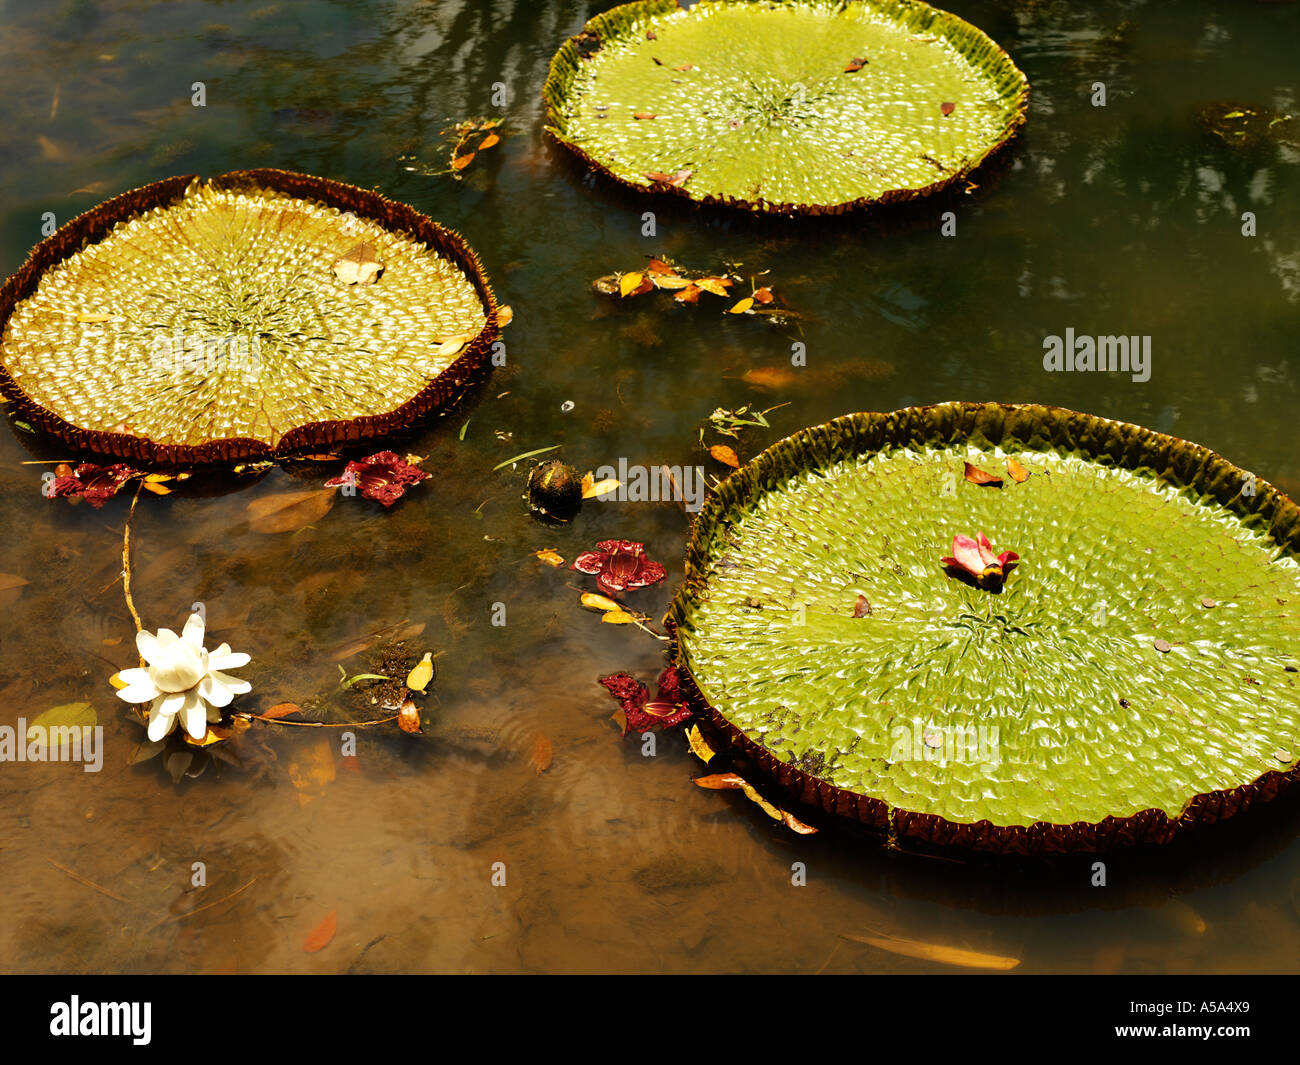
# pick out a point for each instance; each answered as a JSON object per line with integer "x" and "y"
{"x": 590, "y": 562}
{"x": 987, "y": 557}
{"x": 967, "y": 553}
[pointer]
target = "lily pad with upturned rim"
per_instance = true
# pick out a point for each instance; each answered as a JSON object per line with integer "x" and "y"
{"x": 185, "y": 323}
{"x": 784, "y": 105}
{"x": 1126, "y": 537}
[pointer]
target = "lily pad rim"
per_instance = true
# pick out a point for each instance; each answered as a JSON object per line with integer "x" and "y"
{"x": 472, "y": 364}
{"x": 1150, "y": 826}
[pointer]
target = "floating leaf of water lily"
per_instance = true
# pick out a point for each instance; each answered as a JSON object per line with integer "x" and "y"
{"x": 784, "y": 105}
{"x": 206, "y": 358}
{"x": 1115, "y": 707}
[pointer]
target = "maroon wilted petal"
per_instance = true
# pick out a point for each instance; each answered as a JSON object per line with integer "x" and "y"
{"x": 641, "y": 711}
{"x": 383, "y": 477}
{"x": 96, "y": 483}
{"x": 620, "y": 565}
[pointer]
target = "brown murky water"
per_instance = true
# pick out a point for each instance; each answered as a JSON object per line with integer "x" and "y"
{"x": 1123, "y": 219}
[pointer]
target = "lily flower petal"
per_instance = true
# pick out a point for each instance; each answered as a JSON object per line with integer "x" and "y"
{"x": 194, "y": 630}
{"x": 194, "y": 715}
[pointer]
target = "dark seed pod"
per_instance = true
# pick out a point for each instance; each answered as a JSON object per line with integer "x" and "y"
{"x": 555, "y": 490}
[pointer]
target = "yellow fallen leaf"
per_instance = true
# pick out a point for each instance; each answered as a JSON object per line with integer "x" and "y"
{"x": 672, "y": 284}
{"x": 505, "y": 315}
{"x": 742, "y": 306}
{"x": 912, "y": 948}
{"x": 752, "y": 794}
{"x": 418, "y": 679}
{"x": 322, "y": 933}
{"x": 209, "y": 738}
{"x": 1018, "y": 473}
{"x": 452, "y": 345}
{"x": 156, "y": 488}
{"x": 117, "y": 681}
{"x": 629, "y": 283}
{"x": 795, "y": 825}
{"x": 11, "y": 580}
{"x": 699, "y": 747}
{"x": 592, "y": 601}
{"x": 716, "y": 285}
{"x": 591, "y": 489}
{"x": 488, "y": 141}
{"x": 721, "y": 782}
{"x": 462, "y": 161}
{"x": 618, "y": 617}
{"x": 550, "y": 556}
{"x": 725, "y": 455}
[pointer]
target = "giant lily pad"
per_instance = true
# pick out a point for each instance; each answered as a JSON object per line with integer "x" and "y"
{"x": 784, "y": 105}
{"x": 1133, "y": 675}
{"x": 258, "y": 314}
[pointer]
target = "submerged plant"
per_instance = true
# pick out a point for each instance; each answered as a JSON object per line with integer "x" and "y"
{"x": 182, "y": 681}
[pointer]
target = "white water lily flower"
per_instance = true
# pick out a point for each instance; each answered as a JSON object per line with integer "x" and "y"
{"x": 183, "y": 680}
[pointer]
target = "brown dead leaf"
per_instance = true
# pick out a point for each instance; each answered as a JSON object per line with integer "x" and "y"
{"x": 541, "y": 755}
{"x": 408, "y": 717}
{"x": 280, "y": 710}
{"x": 1018, "y": 473}
{"x": 505, "y": 315}
{"x": 862, "y": 608}
{"x": 854, "y": 65}
{"x": 769, "y": 377}
{"x": 490, "y": 141}
{"x": 977, "y": 476}
{"x": 947, "y": 108}
{"x": 763, "y": 295}
{"x": 722, "y": 782}
{"x": 642, "y": 115}
{"x": 690, "y": 294}
{"x": 321, "y": 935}
{"x": 11, "y": 580}
{"x": 660, "y": 268}
{"x": 726, "y": 455}
{"x": 462, "y": 161}
{"x": 289, "y": 511}
{"x": 795, "y": 825}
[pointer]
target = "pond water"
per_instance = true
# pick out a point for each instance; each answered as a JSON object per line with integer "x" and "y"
{"x": 1122, "y": 219}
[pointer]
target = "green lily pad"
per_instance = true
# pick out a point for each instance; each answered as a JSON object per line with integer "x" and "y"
{"x": 1133, "y": 674}
{"x": 784, "y": 105}
{"x": 259, "y": 314}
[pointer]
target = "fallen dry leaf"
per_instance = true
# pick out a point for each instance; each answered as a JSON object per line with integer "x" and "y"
{"x": 505, "y": 315}
{"x": 721, "y": 782}
{"x": 947, "y": 108}
{"x": 642, "y": 115}
{"x": 592, "y": 488}
{"x": 418, "y": 679}
{"x": 742, "y": 306}
{"x": 912, "y": 948}
{"x": 289, "y": 511}
{"x": 280, "y": 710}
{"x": 541, "y": 755}
{"x": 658, "y": 266}
{"x": 690, "y": 294}
{"x": 618, "y": 617}
{"x": 629, "y": 283}
{"x": 408, "y": 717}
{"x": 977, "y": 476}
{"x": 763, "y": 295}
{"x": 699, "y": 746}
{"x": 592, "y": 601}
{"x": 795, "y": 825}
{"x": 717, "y": 285}
{"x": 769, "y": 377}
{"x": 549, "y": 556}
{"x": 11, "y": 580}
{"x": 854, "y": 65}
{"x": 312, "y": 769}
{"x": 462, "y": 161}
{"x": 725, "y": 455}
{"x": 490, "y": 141}
{"x": 322, "y": 934}
{"x": 1018, "y": 473}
